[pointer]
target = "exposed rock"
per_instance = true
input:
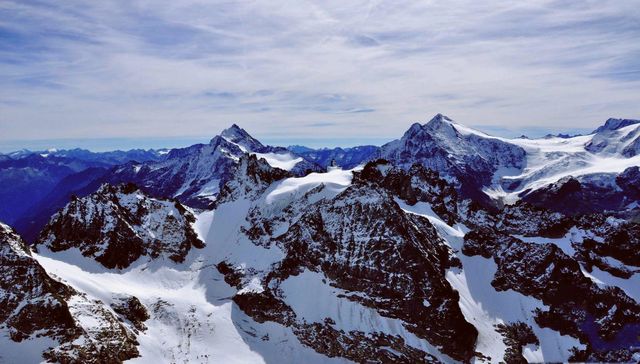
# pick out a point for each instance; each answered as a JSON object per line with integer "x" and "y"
{"x": 33, "y": 305}
{"x": 119, "y": 224}
{"x": 418, "y": 184}
{"x": 516, "y": 336}
{"x": 251, "y": 178}
{"x": 31, "y": 301}
{"x": 131, "y": 309}
{"x": 393, "y": 262}
{"x": 577, "y": 306}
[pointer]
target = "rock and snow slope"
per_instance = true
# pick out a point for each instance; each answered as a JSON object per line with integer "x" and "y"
{"x": 43, "y": 318}
{"x": 384, "y": 263}
{"x": 195, "y": 175}
{"x": 510, "y": 169}
{"x": 374, "y": 264}
{"x": 118, "y": 224}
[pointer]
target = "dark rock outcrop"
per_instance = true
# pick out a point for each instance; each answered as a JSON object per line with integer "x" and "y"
{"x": 119, "y": 224}
{"x": 33, "y": 305}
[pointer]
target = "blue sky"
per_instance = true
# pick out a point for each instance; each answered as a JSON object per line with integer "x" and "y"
{"x": 110, "y": 73}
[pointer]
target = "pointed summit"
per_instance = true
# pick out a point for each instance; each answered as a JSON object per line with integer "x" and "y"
{"x": 237, "y": 135}
{"x": 234, "y": 131}
{"x": 441, "y": 117}
{"x": 436, "y": 123}
{"x": 615, "y": 124}
{"x": 438, "y": 120}
{"x": 443, "y": 127}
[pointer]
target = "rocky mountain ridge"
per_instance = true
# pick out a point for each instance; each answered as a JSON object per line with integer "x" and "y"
{"x": 391, "y": 261}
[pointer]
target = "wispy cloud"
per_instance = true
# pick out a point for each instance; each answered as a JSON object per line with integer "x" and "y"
{"x": 113, "y": 68}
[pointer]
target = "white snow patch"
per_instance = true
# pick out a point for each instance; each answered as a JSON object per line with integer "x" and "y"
{"x": 284, "y": 161}
{"x": 336, "y": 180}
{"x": 254, "y": 286}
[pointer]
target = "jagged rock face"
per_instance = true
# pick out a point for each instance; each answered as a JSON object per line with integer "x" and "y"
{"x": 620, "y": 241}
{"x": 119, "y": 224}
{"x": 593, "y": 254}
{"x": 520, "y": 219}
{"x": 365, "y": 244}
{"x": 468, "y": 159}
{"x": 324, "y": 338}
{"x": 251, "y": 178}
{"x": 418, "y": 184}
{"x": 24, "y": 281}
{"x": 595, "y": 193}
{"x": 33, "y": 305}
{"x": 577, "y": 306}
{"x": 131, "y": 308}
{"x": 361, "y": 242}
{"x": 525, "y": 219}
{"x": 196, "y": 174}
{"x": 516, "y": 336}
{"x": 604, "y": 318}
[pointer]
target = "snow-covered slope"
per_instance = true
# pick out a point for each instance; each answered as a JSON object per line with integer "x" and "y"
{"x": 509, "y": 169}
{"x": 601, "y": 155}
{"x": 387, "y": 262}
{"x": 195, "y": 174}
{"x": 42, "y": 318}
{"x": 380, "y": 263}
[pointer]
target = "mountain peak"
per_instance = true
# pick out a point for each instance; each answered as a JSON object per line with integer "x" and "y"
{"x": 443, "y": 126}
{"x": 244, "y": 140}
{"x": 438, "y": 120}
{"x": 234, "y": 131}
{"x": 615, "y": 124}
{"x": 440, "y": 116}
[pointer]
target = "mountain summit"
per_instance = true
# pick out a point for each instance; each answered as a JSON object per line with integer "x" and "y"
{"x": 615, "y": 124}
{"x": 446, "y": 245}
{"x": 239, "y": 136}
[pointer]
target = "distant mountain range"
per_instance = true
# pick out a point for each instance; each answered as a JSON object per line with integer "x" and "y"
{"x": 445, "y": 245}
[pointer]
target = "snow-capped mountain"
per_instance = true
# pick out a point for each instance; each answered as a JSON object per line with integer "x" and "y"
{"x": 595, "y": 161}
{"x": 195, "y": 174}
{"x": 119, "y": 224}
{"x": 31, "y": 179}
{"x": 507, "y": 170}
{"x": 467, "y": 158}
{"x": 260, "y": 255}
